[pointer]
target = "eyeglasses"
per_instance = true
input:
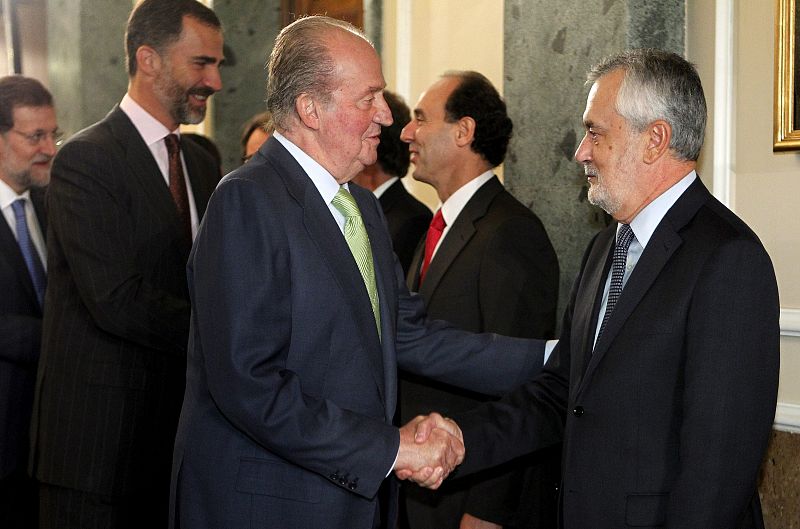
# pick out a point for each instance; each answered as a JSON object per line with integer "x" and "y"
{"x": 35, "y": 138}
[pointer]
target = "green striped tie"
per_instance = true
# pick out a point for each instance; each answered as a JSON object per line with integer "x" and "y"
{"x": 355, "y": 233}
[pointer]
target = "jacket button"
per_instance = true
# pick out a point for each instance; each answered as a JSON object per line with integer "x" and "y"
{"x": 353, "y": 484}
{"x": 578, "y": 411}
{"x": 334, "y": 476}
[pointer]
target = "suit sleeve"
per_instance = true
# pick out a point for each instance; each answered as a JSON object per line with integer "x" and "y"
{"x": 88, "y": 210}
{"x": 242, "y": 288}
{"x": 730, "y": 377}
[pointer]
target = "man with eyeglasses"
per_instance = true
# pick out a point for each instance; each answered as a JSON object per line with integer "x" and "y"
{"x": 126, "y": 198}
{"x": 28, "y": 138}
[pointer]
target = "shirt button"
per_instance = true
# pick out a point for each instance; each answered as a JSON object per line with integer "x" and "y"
{"x": 578, "y": 411}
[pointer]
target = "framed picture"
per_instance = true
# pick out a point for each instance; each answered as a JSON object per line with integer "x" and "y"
{"x": 787, "y": 74}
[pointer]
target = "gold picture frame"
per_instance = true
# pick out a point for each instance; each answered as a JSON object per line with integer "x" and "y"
{"x": 787, "y": 70}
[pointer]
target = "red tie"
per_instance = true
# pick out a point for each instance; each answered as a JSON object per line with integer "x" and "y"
{"x": 431, "y": 240}
{"x": 177, "y": 184}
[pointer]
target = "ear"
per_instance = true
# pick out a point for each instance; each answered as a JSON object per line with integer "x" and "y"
{"x": 148, "y": 61}
{"x": 659, "y": 135}
{"x": 308, "y": 110}
{"x": 465, "y": 131}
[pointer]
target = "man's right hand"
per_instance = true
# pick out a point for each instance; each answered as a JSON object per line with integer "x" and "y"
{"x": 428, "y": 454}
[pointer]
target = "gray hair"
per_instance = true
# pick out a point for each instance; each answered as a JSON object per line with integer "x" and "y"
{"x": 660, "y": 85}
{"x": 301, "y": 63}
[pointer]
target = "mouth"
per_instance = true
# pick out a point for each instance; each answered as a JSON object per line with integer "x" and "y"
{"x": 200, "y": 96}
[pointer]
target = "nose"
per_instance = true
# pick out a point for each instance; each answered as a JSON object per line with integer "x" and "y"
{"x": 584, "y": 152}
{"x": 383, "y": 114}
{"x": 213, "y": 78}
{"x": 407, "y": 134}
{"x": 48, "y": 145}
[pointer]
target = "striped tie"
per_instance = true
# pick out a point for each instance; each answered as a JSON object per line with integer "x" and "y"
{"x": 355, "y": 233}
{"x": 29, "y": 253}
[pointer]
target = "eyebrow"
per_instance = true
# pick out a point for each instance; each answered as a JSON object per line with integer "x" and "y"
{"x": 207, "y": 59}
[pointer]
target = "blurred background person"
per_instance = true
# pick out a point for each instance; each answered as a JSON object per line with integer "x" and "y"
{"x": 254, "y": 133}
{"x": 28, "y": 138}
{"x": 408, "y": 218}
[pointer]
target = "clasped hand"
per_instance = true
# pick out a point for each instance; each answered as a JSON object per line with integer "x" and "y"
{"x": 430, "y": 448}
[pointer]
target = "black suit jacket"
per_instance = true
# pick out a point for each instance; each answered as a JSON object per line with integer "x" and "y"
{"x": 20, "y": 339}
{"x": 666, "y": 422}
{"x": 495, "y": 271}
{"x": 290, "y": 391}
{"x": 408, "y": 220}
{"x": 112, "y": 369}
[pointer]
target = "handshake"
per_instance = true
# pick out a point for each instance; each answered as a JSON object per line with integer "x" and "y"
{"x": 430, "y": 448}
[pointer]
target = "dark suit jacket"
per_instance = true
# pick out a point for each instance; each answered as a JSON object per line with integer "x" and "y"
{"x": 290, "y": 392}
{"x": 408, "y": 220}
{"x": 20, "y": 339}
{"x": 112, "y": 369}
{"x": 495, "y": 271}
{"x": 666, "y": 423}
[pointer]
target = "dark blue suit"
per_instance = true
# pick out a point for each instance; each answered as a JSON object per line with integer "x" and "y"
{"x": 20, "y": 341}
{"x": 290, "y": 392}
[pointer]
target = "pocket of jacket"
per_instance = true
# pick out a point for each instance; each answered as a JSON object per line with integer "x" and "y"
{"x": 277, "y": 479}
{"x": 646, "y": 510}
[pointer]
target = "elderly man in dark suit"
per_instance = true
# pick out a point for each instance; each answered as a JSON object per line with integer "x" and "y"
{"x": 28, "y": 138}
{"x": 489, "y": 268}
{"x": 126, "y": 198}
{"x": 300, "y": 317}
{"x": 664, "y": 383}
{"x": 408, "y": 218}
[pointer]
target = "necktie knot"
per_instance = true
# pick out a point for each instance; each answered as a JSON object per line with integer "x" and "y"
{"x": 345, "y": 203}
{"x": 173, "y": 144}
{"x": 431, "y": 240}
{"x": 624, "y": 237}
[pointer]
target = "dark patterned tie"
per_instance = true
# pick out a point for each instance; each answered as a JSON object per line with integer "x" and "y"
{"x": 431, "y": 240}
{"x": 624, "y": 238}
{"x": 29, "y": 253}
{"x": 177, "y": 183}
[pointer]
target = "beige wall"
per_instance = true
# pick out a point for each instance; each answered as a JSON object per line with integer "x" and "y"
{"x": 763, "y": 184}
{"x": 439, "y": 41}
{"x": 766, "y": 183}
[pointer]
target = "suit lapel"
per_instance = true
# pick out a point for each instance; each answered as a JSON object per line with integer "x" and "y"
{"x": 145, "y": 169}
{"x": 385, "y": 278}
{"x": 323, "y": 231}
{"x": 200, "y": 177}
{"x": 664, "y": 242}
{"x": 458, "y": 236}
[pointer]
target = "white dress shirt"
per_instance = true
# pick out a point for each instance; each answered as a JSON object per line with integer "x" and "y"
{"x": 153, "y": 133}
{"x": 643, "y": 226}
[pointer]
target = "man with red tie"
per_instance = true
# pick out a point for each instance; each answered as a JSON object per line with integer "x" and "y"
{"x": 486, "y": 265}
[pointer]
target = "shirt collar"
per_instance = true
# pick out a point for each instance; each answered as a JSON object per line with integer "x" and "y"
{"x": 325, "y": 183}
{"x": 645, "y": 223}
{"x": 381, "y": 189}
{"x": 150, "y": 129}
{"x": 8, "y": 196}
{"x": 452, "y": 207}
